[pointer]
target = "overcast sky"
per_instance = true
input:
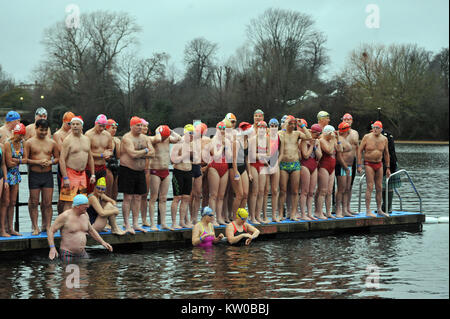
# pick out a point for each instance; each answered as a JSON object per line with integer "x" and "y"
{"x": 168, "y": 25}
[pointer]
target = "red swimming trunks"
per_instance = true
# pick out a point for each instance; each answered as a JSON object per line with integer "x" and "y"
{"x": 100, "y": 171}
{"x": 161, "y": 173}
{"x": 375, "y": 166}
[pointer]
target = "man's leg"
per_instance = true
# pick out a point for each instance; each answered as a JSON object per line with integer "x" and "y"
{"x": 378, "y": 190}
{"x": 155, "y": 182}
{"x": 47, "y": 213}
{"x": 295, "y": 183}
{"x": 162, "y": 197}
{"x": 33, "y": 203}
{"x": 370, "y": 179}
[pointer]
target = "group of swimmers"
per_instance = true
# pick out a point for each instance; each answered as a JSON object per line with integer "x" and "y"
{"x": 227, "y": 170}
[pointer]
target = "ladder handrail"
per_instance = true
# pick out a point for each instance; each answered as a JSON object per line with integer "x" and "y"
{"x": 411, "y": 182}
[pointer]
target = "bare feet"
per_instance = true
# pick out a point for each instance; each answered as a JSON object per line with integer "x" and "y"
{"x": 146, "y": 223}
{"x": 320, "y": 216}
{"x": 380, "y": 212}
{"x": 330, "y": 216}
{"x": 118, "y": 231}
{"x": 370, "y": 214}
{"x": 266, "y": 221}
{"x": 14, "y": 233}
{"x": 221, "y": 222}
{"x": 255, "y": 222}
{"x": 4, "y": 234}
{"x": 164, "y": 226}
{"x": 35, "y": 232}
{"x": 312, "y": 217}
{"x": 176, "y": 226}
{"x": 305, "y": 217}
{"x": 130, "y": 230}
{"x": 153, "y": 227}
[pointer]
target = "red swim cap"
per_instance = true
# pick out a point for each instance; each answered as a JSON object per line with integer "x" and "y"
{"x": 347, "y": 116}
{"x": 344, "y": 127}
{"x": 316, "y": 128}
{"x": 164, "y": 130}
{"x": 201, "y": 127}
{"x": 244, "y": 126}
{"x": 135, "y": 120}
{"x": 20, "y": 129}
{"x": 377, "y": 124}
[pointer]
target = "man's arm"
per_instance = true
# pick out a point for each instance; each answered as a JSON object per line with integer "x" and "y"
{"x": 57, "y": 225}
{"x": 387, "y": 159}
{"x": 128, "y": 147}
{"x": 98, "y": 238}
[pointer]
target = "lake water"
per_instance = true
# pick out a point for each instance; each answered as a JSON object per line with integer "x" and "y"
{"x": 406, "y": 265}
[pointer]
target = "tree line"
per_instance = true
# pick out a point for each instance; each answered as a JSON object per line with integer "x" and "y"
{"x": 96, "y": 68}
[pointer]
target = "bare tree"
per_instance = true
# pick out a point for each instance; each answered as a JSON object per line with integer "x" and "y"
{"x": 199, "y": 56}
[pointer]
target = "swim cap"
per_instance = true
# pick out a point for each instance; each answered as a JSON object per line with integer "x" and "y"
{"x": 188, "y": 128}
{"x": 283, "y": 119}
{"x": 322, "y": 114}
{"x": 207, "y": 211}
{"x": 347, "y": 116}
{"x": 68, "y": 116}
{"x": 261, "y": 124}
{"x": 135, "y": 121}
{"x": 144, "y": 122}
{"x": 230, "y": 116}
{"x": 221, "y": 125}
{"x": 101, "y": 182}
{"x": 80, "y": 199}
{"x": 41, "y": 111}
{"x": 227, "y": 123}
{"x": 101, "y": 119}
{"x": 19, "y": 129}
{"x": 328, "y": 129}
{"x": 274, "y": 121}
{"x": 258, "y": 111}
{"x": 201, "y": 127}
{"x": 111, "y": 122}
{"x": 164, "y": 130}
{"x": 378, "y": 124}
{"x": 242, "y": 213}
{"x": 244, "y": 126}
{"x": 316, "y": 128}
{"x": 290, "y": 118}
{"x": 344, "y": 127}
{"x": 303, "y": 121}
{"x": 12, "y": 116}
{"x": 77, "y": 118}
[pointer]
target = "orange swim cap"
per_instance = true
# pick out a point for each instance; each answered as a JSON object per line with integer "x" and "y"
{"x": 111, "y": 122}
{"x": 377, "y": 124}
{"x": 68, "y": 116}
{"x": 135, "y": 120}
{"x": 344, "y": 127}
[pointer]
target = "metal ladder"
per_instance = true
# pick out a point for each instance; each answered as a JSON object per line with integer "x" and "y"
{"x": 402, "y": 171}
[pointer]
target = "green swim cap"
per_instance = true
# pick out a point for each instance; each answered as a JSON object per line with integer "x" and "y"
{"x": 322, "y": 114}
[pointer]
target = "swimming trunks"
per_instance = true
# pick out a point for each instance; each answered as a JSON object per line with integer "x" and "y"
{"x": 161, "y": 173}
{"x": 100, "y": 171}
{"x": 38, "y": 180}
{"x": 78, "y": 185}
{"x": 328, "y": 162}
{"x": 375, "y": 166}
{"x": 340, "y": 171}
{"x": 290, "y": 166}
{"x": 181, "y": 182}
{"x": 208, "y": 240}
{"x": 68, "y": 257}
{"x": 131, "y": 182}
{"x": 196, "y": 170}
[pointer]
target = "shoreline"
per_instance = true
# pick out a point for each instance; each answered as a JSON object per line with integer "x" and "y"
{"x": 422, "y": 142}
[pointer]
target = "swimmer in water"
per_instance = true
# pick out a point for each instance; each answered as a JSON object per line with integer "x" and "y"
{"x": 239, "y": 232}
{"x": 203, "y": 233}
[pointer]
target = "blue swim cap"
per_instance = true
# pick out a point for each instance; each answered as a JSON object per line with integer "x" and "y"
{"x": 80, "y": 199}
{"x": 283, "y": 119}
{"x": 207, "y": 211}
{"x": 12, "y": 116}
{"x": 274, "y": 121}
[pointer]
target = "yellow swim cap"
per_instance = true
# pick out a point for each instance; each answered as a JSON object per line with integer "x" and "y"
{"x": 188, "y": 128}
{"x": 101, "y": 182}
{"x": 242, "y": 213}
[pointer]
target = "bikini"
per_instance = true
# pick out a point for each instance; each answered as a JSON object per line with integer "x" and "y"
{"x": 258, "y": 164}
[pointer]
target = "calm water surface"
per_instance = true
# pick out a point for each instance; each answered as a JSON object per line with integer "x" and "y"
{"x": 410, "y": 265}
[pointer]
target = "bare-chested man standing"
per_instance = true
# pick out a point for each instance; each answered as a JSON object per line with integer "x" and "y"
{"x": 344, "y": 173}
{"x": 374, "y": 146}
{"x": 74, "y": 225}
{"x": 75, "y": 155}
{"x": 290, "y": 163}
{"x": 101, "y": 148}
{"x": 41, "y": 114}
{"x": 159, "y": 173}
{"x": 135, "y": 148}
{"x": 59, "y": 137}
{"x": 353, "y": 139}
{"x": 42, "y": 154}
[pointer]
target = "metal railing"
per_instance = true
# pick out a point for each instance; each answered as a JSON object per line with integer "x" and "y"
{"x": 402, "y": 171}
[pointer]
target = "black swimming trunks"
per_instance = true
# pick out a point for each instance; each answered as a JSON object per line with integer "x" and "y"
{"x": 131, "y": 182}
{"x": 38, "y": 180}
{"x": 181, "y": 182}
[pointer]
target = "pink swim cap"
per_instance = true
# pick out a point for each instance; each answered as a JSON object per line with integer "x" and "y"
{"x": 101, "y": 119}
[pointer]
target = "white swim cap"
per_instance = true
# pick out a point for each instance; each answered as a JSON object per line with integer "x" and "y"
{"x": 328, "y": 129}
